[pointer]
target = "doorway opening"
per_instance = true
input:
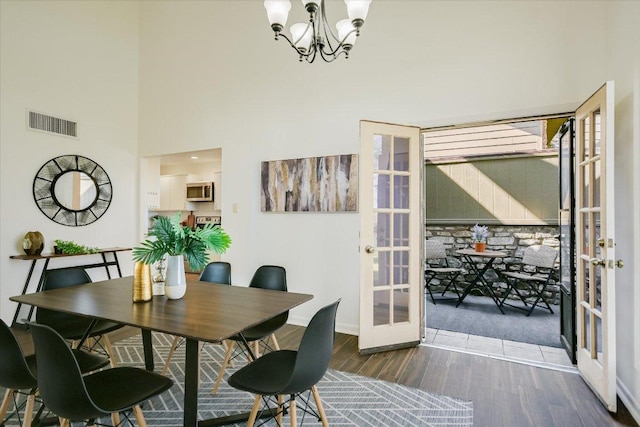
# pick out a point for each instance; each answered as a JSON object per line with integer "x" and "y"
{"x": 505, "y": 175}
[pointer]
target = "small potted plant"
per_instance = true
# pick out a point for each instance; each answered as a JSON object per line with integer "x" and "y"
{"x": 479, "y": 234}
{"x": 179, "y": 242}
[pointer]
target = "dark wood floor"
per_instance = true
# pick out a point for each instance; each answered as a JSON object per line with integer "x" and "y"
{"x": 504, "y": 394}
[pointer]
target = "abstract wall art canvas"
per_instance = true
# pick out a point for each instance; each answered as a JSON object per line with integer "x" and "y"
{"x": 313, "y": 184}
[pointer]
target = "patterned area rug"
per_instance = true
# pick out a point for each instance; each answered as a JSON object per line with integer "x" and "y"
{"x": 349, "y": 400}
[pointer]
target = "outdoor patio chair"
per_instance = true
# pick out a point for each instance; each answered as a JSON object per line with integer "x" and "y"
{"x": 536, "y": 271}
{"x": 435, "y": 250}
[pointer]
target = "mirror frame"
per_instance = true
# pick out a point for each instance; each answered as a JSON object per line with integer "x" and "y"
{"x": 44, "y": 190}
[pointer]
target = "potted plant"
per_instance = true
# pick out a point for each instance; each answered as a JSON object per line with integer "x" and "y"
{"x": 479, "y": 234}
{"x": 169, "y": 237}
{"x": 70, "y": 247}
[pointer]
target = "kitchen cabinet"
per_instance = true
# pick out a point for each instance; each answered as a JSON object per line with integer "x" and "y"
{"x": 173, "y": 193}
{"x": 150, "y": 180}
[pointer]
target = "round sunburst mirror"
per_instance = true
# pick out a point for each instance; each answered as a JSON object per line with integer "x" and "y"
{"x": 72, "y": 190}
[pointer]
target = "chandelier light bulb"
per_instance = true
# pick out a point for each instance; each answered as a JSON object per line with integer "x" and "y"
{"x": 277, "y": 12}
{"x": 311, "y": 6}
{"x": 357, "y": 11}
{"x": 301, "y": 35}
{"x": 346, "y": 32}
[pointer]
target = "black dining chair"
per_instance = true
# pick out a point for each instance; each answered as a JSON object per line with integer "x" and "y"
{"x": 73, "y": 327}
{"x": 292, "y": 373}
{"x": 214, "y": 272}
{"x": 74, "y": 397}
{"x": 18, "y": 374}
{"x": 271, "y": 277}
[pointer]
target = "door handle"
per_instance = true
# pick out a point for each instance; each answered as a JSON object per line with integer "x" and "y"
{"x": 369, "y": 249}
{"x": 619, "y": 263}
{"x": 596, "y": 262}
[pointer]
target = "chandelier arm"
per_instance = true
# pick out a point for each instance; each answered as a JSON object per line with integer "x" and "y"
{"x": 342, "y": 41}
{"x": 311, "y": 56}
{"x": 302, "y": 54}
{"x": 330, "y": 57}
{"x": 327, "y": 28}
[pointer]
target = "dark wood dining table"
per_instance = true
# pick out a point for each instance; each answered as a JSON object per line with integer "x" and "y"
{"x": 208, "y": 312}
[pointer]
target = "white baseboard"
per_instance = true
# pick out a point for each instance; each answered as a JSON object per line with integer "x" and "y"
{"x": 629, "y": 400}
{"x": 343, "y": 328}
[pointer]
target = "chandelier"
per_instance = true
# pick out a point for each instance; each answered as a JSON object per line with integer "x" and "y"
{"x": 316, "y": 36}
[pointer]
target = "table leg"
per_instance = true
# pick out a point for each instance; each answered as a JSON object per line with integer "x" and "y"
{"x": 147, "y": 345}
{"x": 191, "y": 383}
{"x": 229, "y": 419}
{"x": 480, "y": 282}
{"x": 106, "y": 266}
{"x": 24, "y": 291}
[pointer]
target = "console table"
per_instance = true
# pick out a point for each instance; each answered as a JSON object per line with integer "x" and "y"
{"x": 106, "y": 263}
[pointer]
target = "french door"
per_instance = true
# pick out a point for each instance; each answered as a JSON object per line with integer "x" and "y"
{"x": 391, "y": 236}
{"x": 595, "y": 244}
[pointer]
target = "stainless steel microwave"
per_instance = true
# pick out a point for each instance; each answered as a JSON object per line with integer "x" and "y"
{"x": 199, "y": 191}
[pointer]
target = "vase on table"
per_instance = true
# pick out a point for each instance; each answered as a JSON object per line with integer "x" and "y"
{"x": 175, "y": 281}
{"x": 142, "y": 291}
{"x": 481, "y": 246}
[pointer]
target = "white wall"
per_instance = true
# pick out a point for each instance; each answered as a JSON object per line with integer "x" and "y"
{"x": 75, "y": 60}
{"x": 205, "y": 83}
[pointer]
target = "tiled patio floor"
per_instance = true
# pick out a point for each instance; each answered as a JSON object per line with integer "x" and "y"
{"x": 549, "y": 357}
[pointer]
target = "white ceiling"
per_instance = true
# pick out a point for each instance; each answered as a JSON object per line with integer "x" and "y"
{"x": 203, "y": 156}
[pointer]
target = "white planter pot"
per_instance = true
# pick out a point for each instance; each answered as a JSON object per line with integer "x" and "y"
{"x": 175, "y": 282}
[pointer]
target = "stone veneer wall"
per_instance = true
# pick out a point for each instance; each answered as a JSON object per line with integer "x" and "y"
{"x": 512, "y": 239}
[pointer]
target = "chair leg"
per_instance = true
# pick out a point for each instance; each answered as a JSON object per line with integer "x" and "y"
{"x": 28, "y": 409}
{"x": 254, "y": 411}
{"x": 452, "y": 282}
{"x": 230, "y": 345}
{"x": 256, "y": 348}
{"x": 8, "y": 395}
{"x": 427, "y": 280}
{"x": 112, "y": 355}
{"x": 275, "y": 342}
{"x": 225, "y": 345}
{"x": 316, "y": 397}
{"x": 539, "y": 297}
{"x": 115, "y": 418}
{"x": 292, "y": 411}
{"x": 137, "y": 411}
{"x": 63, "y": 422}
{"x": 174, "y": 345}
{"x": 280, "y": 410}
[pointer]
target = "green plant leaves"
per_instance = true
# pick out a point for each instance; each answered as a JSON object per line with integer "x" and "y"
{"x": 70, "y": 247}
{"x": 168, "y": 236}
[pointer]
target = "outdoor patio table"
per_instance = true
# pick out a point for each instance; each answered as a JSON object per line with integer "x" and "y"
{"x": 474, "y": 259}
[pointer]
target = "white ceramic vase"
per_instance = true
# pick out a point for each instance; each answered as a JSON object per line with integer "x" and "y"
{"x": 175, "y": 282}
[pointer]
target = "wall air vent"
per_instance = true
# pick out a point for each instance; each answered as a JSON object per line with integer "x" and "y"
{"x": 44, "y": 123}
